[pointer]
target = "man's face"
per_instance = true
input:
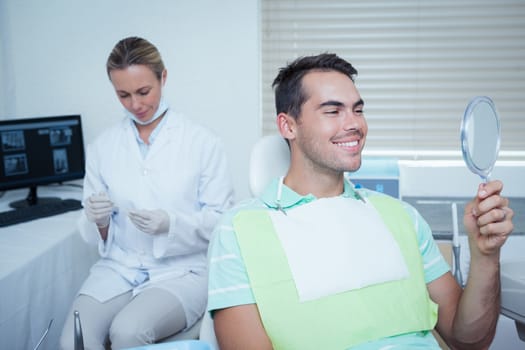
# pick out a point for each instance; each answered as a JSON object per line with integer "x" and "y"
{"x": 331, "y": 129}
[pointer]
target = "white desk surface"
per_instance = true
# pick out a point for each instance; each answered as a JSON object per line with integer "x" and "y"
{"x": 42, "y": 265}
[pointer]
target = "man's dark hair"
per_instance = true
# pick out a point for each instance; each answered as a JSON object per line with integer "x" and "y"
{"x": 289, "y": 93}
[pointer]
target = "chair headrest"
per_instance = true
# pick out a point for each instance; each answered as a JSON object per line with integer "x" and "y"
{"x": 269, "y": 158}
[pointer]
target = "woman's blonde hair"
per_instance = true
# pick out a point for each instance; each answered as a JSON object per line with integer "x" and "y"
{"x": 135, "y": 51}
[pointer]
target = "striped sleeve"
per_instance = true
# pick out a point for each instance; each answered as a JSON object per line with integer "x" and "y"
{"x": 434, "y": 264}
{"x": 228, "y": 282}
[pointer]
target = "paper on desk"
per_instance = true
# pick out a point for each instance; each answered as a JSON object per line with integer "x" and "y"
{"x": 335, "y": 245}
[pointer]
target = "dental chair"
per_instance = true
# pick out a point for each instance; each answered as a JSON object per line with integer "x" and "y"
{"x": 270, "y": 158}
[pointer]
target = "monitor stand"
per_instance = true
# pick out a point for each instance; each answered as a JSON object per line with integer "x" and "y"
{"x": 33, "y": 199}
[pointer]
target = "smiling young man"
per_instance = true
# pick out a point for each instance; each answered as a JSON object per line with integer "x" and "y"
{"x": 315, "y": 264}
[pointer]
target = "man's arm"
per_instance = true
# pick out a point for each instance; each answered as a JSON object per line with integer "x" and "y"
{"x": 240, "y": 328}
{"x": 468, "y": 318}
{"x": 464, "y": 321}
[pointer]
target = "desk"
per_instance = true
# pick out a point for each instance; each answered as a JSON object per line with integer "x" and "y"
{"x": 437, "y": 212}
{"x": 42, "y": 265}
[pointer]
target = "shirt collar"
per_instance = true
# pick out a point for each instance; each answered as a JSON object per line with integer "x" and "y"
{"x": 153, "y": 134}
{"x": 290, "y": 198}
{"x": 144, "y": 147}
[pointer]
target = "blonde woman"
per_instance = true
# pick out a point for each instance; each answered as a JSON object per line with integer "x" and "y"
{"x": 156, "y": 183}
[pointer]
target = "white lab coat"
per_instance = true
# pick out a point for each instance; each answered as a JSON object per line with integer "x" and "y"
{"x": 184, "y": 173}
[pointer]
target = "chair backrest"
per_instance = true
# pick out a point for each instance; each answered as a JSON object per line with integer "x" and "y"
{"x": 269, "y": 158}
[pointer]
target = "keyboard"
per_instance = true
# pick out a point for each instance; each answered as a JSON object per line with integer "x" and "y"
{"x": 18, "y": 216}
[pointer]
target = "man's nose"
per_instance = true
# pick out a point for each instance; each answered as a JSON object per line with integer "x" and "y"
{"x": 350, "y": 120}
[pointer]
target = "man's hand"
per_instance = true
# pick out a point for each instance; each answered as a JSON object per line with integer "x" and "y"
{"x": 150, "y": 221}
{"x": 488, "y": 218}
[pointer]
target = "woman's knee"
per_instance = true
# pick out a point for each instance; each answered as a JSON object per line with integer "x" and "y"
{"x": 125, "y": 332}
{"x": 152, "y": 315}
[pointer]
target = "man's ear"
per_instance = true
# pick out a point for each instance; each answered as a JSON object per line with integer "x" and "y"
{"x": 286, "y": 125}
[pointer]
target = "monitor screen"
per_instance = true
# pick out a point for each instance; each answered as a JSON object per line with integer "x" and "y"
{"x": 40, "y": 151}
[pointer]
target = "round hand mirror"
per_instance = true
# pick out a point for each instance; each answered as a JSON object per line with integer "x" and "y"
{"x": 480, "y": 136}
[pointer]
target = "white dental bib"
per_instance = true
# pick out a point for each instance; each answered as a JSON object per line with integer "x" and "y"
{"x": 337, "y": 244}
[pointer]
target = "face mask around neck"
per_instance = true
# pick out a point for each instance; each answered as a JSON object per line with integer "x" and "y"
{"x": 163, "y": 106}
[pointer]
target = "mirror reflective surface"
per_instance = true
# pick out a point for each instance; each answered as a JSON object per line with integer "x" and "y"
{"x": 480, "y": 136}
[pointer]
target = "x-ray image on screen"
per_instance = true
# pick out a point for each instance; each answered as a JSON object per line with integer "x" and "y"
{"x": 60, "y": 136}
{"x": 15, "y": 164}
{"x": 60, "y": 161}
{"x": 13, "y": 141}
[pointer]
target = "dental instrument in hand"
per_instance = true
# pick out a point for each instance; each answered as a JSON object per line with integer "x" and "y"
{"x": 44, "y": 335}
{"x": 279, "y": 194}
{"x": 78, "y": 338}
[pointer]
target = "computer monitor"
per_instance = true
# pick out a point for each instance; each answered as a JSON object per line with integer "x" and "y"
{"x": 40, "y": 151}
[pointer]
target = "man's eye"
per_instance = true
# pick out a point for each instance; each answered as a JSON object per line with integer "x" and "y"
{"x": 332, "y": 111}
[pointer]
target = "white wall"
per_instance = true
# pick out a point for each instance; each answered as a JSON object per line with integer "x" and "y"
{"x": 52, "y": 61}
{"x": 53, "y": 54}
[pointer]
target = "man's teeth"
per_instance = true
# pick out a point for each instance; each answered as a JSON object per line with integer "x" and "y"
{"x": 347, "y": 144}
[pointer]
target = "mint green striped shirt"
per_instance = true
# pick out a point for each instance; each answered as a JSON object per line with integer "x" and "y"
{"x": 229, "y": 284}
